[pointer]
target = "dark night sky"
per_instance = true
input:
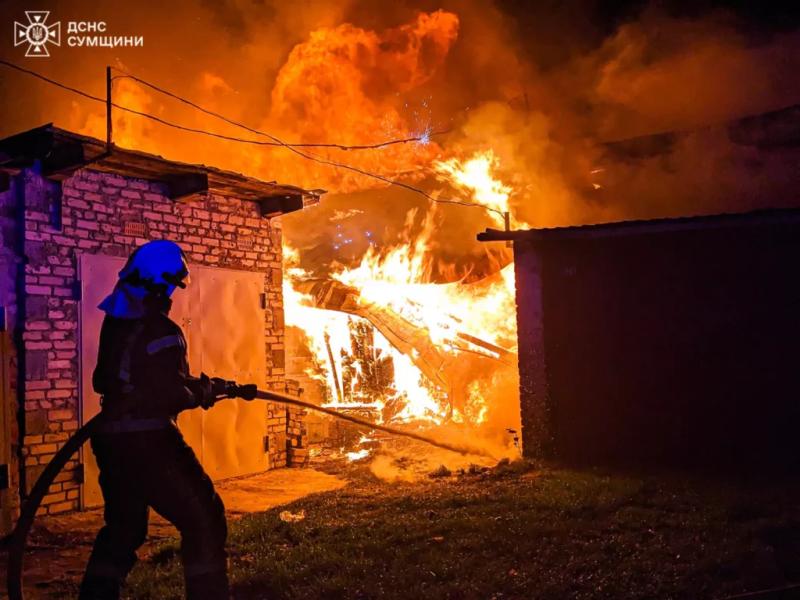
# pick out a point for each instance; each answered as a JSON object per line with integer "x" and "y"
{"x": 580, "y": 25}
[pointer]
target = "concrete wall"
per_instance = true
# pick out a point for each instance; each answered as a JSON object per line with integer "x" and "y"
{"x": 672, "y": 347}
{"x": 212, "y": 230}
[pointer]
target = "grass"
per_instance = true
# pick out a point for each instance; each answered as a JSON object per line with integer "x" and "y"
{"x": 510, "y": 533}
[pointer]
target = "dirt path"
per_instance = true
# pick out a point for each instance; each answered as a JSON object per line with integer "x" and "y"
{"x": 59, "y": 546}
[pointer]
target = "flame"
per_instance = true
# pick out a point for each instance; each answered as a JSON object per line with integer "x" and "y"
{"x": 354, "y": 81}
{"x": 475, "y": 176}
{"x": 357, "y": 455}
{"x": 452, "y": 324}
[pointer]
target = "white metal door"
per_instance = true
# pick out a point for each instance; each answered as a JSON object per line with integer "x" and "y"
{"x": 229, "y": 332}
{"x": 220, "y": 313}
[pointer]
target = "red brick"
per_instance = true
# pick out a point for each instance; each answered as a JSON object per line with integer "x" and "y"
{"x": 77, "y": 203}
{"x": 85, "y": 185}
{"x": 43, "y": 449}
{"x": 62, "y": 507}
{"x": 39, "y": 346}
{"x": 39, "y": 290}
{"x": 60, "y": 415}
{"x": 56, "y": 503}
{"x": 50, "y": 280}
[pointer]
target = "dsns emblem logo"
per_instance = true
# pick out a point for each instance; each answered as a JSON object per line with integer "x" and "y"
{"x": 37, "y": 34}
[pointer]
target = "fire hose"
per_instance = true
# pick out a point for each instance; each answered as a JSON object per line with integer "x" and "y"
{"x": 16, "y": 541}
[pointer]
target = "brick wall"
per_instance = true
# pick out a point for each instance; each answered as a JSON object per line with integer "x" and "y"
{"x": 212, "y": 230}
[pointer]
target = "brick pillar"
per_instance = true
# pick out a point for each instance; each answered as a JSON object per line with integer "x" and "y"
{"x": 296, "y": 432}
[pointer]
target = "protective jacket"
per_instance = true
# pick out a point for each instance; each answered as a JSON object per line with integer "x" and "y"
{"x": 146, "y": 359}
{"x": 145, "y": 462}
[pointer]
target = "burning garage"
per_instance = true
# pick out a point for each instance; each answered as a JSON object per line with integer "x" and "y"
{"x": 465, "y": 410}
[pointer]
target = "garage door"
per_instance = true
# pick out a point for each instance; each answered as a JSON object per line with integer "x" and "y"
{"x": 222, "y": 317}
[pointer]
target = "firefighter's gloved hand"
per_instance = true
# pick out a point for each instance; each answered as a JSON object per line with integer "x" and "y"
{"x": 221, "y": 387}
{"x": 206, "y": 396}
{"x": 246, "y": 391}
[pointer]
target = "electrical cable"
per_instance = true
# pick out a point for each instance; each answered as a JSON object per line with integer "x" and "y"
{"x": 290, "y": 147}
{"x": 318, "y": 159}
{"x": 275, "y": 140}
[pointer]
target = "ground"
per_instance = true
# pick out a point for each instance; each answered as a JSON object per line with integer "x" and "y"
{"x": 515, "y": 531}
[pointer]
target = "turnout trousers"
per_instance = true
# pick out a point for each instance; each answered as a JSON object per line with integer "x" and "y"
{"x": 156, "y": 469}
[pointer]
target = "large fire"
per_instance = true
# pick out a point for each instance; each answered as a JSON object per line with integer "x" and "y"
{"x": 413, "y": 351}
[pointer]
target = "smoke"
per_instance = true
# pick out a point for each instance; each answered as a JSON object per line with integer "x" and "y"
{"x": 350, "y": 84}
{"x": 544, "y": 87}
{"x": 550, "y": 128}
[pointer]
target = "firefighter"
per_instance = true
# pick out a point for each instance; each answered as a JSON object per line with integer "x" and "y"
{"x": 143, "y": 377}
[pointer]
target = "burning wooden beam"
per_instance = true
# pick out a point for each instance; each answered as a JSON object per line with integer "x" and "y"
{"x": 411, "y": 340}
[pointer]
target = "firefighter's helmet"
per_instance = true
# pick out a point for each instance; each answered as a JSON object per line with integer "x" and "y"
{"x": 158, "y": 267}
{"x": 155, "y": 269}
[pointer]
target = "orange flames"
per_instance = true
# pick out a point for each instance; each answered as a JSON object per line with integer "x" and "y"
{"x": 352, "y": 81}
{"x": 458, "y": 340}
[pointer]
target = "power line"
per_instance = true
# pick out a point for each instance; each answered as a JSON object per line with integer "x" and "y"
{"x": 48, "y": 80}
{"x": 121, "y": 107}
{"x": 275, "y": 141}
{"x": 315, "y": 158}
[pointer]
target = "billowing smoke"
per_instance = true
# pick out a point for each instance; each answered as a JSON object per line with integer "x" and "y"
{"x": 545, "y": 89}
{"x": 349, "y": 84}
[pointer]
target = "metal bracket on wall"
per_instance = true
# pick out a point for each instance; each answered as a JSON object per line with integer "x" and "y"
{"x": 266, "y": 444}
{"x": 4, "y": 483}
{"x": 77, "y": 290}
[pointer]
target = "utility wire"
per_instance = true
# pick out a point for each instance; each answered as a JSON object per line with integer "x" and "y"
{"x": 275, "y": 141}
{"x": 315, "y": 158}
{"x": 121, "y": 107}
